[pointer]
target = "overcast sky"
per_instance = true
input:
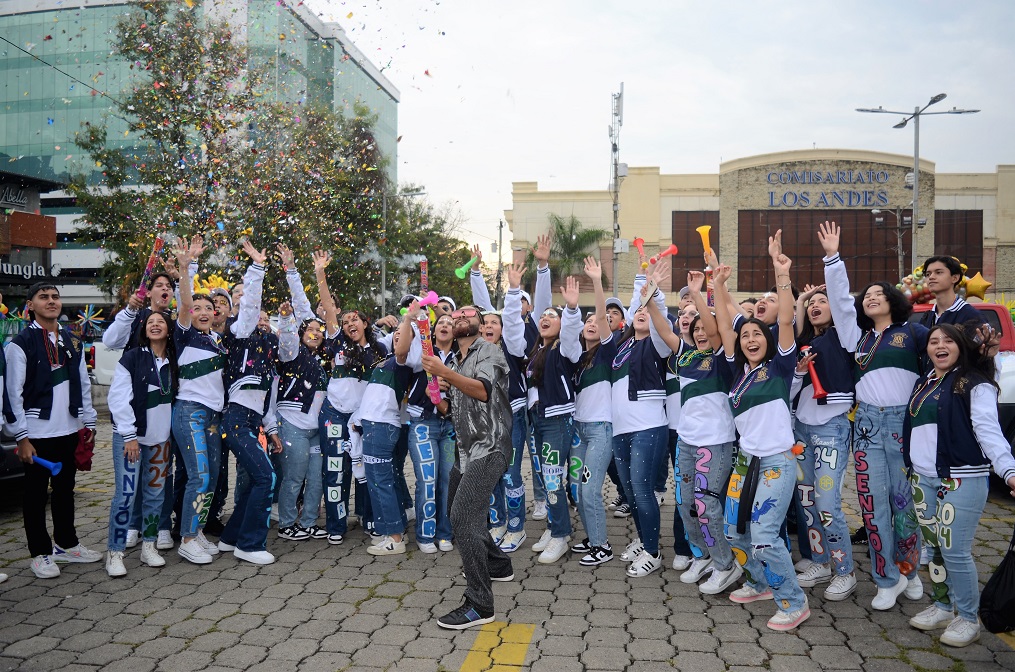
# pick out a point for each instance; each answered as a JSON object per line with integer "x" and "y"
{"x": 498, "y": 92}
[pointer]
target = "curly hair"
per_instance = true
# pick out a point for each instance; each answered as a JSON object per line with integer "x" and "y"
{"x": 899, "y": 305}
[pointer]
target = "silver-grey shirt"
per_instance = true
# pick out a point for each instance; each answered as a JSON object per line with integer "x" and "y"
{"x": 482, "y": 427}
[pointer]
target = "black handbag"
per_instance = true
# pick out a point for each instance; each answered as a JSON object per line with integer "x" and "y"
{"x": 997, "y": 603}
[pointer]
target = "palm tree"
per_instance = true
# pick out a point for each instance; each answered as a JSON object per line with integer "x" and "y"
{"x": 570, "y": 243}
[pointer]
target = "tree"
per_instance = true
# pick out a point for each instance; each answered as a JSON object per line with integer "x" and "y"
{"x": 570, "y": 243}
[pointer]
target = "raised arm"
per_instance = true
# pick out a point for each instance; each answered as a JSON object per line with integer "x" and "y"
{"x": 543, "y": 296}
{"x": 321, "y": 260}
{"x": 480, "y": 292}
{"x": 659, "y": 274}
{"x": 300, "y": 303}
{"x": 117, "y": 335}
{"x": 406, "y": 334}
{"x": 782, "y": 263}
{"x": 253, "y": 285}
{"x": 801, "y": 305}
{"x": 513, "y": 332}
{"x": 288, "y": 333}
{"x": 837, "y": 286}
{"x": 695, "y": 281}
{"x": 723, "y": 320}
{"x": 594, "y": 270}
{"x": 571, "y": 321}
{"x": 185, "y": 252}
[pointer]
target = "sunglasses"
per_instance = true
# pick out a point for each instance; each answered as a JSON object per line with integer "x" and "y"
{"x": 465, "y": 312}
{"x": 550, "y": 312}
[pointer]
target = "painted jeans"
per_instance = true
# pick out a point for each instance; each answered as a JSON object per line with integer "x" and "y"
{"x": 301, "y": 451}
{"x": 507, "y": 505}
{"x": 591, "y": 453}
{"x": 164, "y": 463}
{"x": 247, "y": 528}
{"x": 139, "y": 484}
{"x": 553, "y": 436}
{"x": 681, "y": 546}
{"x": 432, "y": 449}
{"x": 197, "y": 431}
{"x": 333, "y": 430}
{"x": 701, "y": 498}
{"x": 379, "y": 442}
{"x": 637, "y": 455}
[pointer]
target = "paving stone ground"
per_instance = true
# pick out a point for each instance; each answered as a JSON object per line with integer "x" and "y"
{"x": 323, "y": 607}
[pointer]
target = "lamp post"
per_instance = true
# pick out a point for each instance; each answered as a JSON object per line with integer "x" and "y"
{"x": 915, "y": 117}
{"x": 900, "y": 232}
{"x": 384, "y": 260}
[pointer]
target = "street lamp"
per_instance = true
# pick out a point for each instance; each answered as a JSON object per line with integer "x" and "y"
{"x": 915, "y": 117}
{"x": 384, "y": 235}
{"x": 900, "y": 232}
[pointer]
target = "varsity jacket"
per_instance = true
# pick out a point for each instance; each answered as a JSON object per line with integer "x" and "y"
{"x": 555, "y": 394}
{"x": 141, "y": 397}
{"x": 250, "y": 366}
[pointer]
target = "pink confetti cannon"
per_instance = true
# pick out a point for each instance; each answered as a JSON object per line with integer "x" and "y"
{"x": 142, "y": 290}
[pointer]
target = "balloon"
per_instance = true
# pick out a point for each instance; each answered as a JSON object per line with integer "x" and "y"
{"x": 977, "y": 286}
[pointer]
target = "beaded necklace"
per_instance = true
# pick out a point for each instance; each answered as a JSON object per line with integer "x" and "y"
{"x": 164, "y": 389}
{"x": 626, "y": 348}
{"x": 864, "y": 360}
{"x": 53, "y": 352}
{"x": 743, "y": 385}
{"x": 923, "y": 392}
{"x": 688, "y": 357}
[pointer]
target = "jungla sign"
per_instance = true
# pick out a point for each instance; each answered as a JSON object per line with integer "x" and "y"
{"x": 26, "y": 271}
{"x": 828, "y": 189}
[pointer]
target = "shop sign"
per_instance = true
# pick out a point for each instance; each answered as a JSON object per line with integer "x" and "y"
{"x": 829, "y": 189}
{"x": 11, "y": 196}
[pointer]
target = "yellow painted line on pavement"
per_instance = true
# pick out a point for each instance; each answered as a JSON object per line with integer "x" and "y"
{"x": 104, "y": 491}
{"x": 499, "y": 647}
{"x": 1008, "y": 638}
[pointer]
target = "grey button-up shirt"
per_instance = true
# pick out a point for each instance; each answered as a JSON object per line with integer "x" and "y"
{"x": 482, "y": 427}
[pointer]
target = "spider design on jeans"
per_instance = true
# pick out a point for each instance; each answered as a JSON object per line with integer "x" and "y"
{"x": 865, "y": 434}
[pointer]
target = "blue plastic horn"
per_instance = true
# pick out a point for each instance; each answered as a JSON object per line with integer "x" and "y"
{"x": 54, "y": 467}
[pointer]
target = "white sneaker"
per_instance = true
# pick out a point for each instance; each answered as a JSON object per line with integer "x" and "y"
{"x": 193, "y": 551}
{"x": 512, "y": 541}
{"x": 661, "y": 498}
{"x": 681, "y": 562}
{"x": 787, "y": 620}
{"x": 813, "y": 575}
{"x": 914, "y": 588}
{"x": 841, "y": 587}
{"x": 44, "y": 567}
{"x": 539, "y": 511}
{"x": 254, "y": 557}
{"x": 427, "y": 547}
{"x": 225, "y": 548}
{"x": 387, "y": 547}
{"x": 498, "y": 533}
{"x": 150, "y": 555}
{"x": 410, "y": 514}
{"x": 645, "y": 564}
{"x": 961, "y": 633}
{"x": 132, "y": 538}
{"x": 802, "y": 565}
{"x": 209, "y": 547}
{"x": 77, "y": 554}
{"x": 540, "y": 545}
{"x": 555, "y": 550}
{"x": 932, "y": 618}
{"x": 632, "y": 551}
{"x": 445, "y": 545}
{"x": 3, "y": 577}
{"x": 274, "y": 513}
{"x": 886, "y": 597}
{"x": 699, "y": 567}
{"x": 114, "y": 564}
{"x": 745, "y": 594}
{"x": 165, "y": 541}
{"x": 721, "y": 580}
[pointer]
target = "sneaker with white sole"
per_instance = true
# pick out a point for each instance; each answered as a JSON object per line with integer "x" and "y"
{"x": 114, "y": 564}
{"x": 597, "y": 555}
{"x": 498, "y": 534}
{"x": 699, "y": 568}
{"x": 617, "y": 501}
{"x": 632, "y": 551}
{"x": 44, "y": 567}
{"x": 293, "y": 533}
{"x": 555, "y": 550}
{"x": 539, "y": 511}
{"x": 914, "y": 588}
{"x": 165, "y": 541}
{"x": 813, "y": 575}
{"x": 150, "y": 555}
{"x": 388, "y": 546}
{"x": 226, "y": 548}
{"x": 582, "y": 546}
{"x": 720, "y": 580}
{"x": 76, "y": 554}
{"x": 932, "y": 618}
{"x": 274, "y": 513}
{"x": 745, "y": 594}
{"x": 446, "y": 545}
{"x": 661, "y": 499}
{"x": 886, "y": 597}
{"x": 802, "y": 565}
{"x": 316, "y": 532}
{"x": 682, "y": 562}
{"x": 133, "y": 536}
{"x": 193, "y": 551}
{"x": 335, "y": 539}
{"x": 427, "y": 547}
{"x": 410, "y": 514}
{"x": 465, "y": 616}
{"x": 961, "y": 633}
{"x": 254, "y": 557}
{"x": 512, "y": 541}
{"x": 841, "y": 587}
{"x": 622, "y": 511}
{"x": 209, "y": 547}
{"x": 787, "y": 620}
{"x": 645, "y": 564}
{"x": 540, "y": 545}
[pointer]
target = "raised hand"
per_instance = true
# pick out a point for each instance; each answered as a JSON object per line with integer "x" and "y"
{"x": 321, "y": 260}
{"x": 515, "y": 273}
{"x": 287, "y": 257}
{"x": 801, "y": 364}
{"x": 828, "y": 234}
{"x": 412, "y": 312}
{"x": 285, "y": 309}
{"x": 570, "y": 291}
{"x": 593, "y": 268}
{"x": 256, "y": 256}
{"x": 169, "y": 263}
{"x": 478, "y": 254}
{"x": 181, "y": 250}
{"x": 775, "y": 244}
{"x": 659, "y": 273}
{"x": 695, "y": 281}
{"x": 542, "y": 251}
{"x": 711, "y": 259}
{"x": 811, "y": 290}
{"x": 721, "y": 274}
{"x": 782, "y": 264}
{"x": 196, "y": 246}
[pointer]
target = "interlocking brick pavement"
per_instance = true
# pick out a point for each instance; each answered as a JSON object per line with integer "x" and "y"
{"x": 322, "y": 607}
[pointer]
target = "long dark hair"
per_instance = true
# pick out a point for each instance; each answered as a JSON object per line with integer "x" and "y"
{"x": 738, "y": 352}
{"x": 360, "y": 358}
{"x": 971, "y": 363}
{"x": 899, "y": 305}
{"x": 807, "y": 331}
{"x": 537, "y": 361}
{"x": 145, "y": 342}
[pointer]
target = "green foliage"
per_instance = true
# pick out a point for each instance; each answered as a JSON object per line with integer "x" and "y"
{"x": 570, "y": 243}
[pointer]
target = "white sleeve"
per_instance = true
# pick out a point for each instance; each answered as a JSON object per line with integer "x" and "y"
{"x": 640, "y": 281}
{"x": 543, "y": 297}
{"x": 288, "y": 338}
{"x": 414, "y": 358}
{"x": 514, "y": 327}
{"x": 480, "y": 292}
{"x": 193, "y": 269}
{"x": 86, "y": 414}
{"x": 797, "y": 385}
{"x": 662, "y": 348}
{"x": 841, "y": 303}
{"x": 16, "y": 366}
{"x": 250, "y": 302}
{"x": 987, "y": 429}
{"x": 117, "y": 335}
{"x": 301, "y": 304}
{"x": 121, "y": 393}
{"x": 385, "y": 339}
{"x": 570, "y": 331}
{"x": 270, "y": 420}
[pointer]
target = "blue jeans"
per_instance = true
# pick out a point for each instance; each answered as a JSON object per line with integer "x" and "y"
{"x": 701, "y": 497}
{"x": 680, "y": 543}
{"x": 333, "y": 431}
{"x": 553, "y": 437}
{"x": 949, "y": 511}
{"x": 379, "y": 442}
{"x": 826, "y": 454}
{"x": 508, "y": 504}
{"x": 768, "y": 565}
{"x": 432, "y": 448}
{"x": 538, "y": 488}
{"x": 398, "y": 468}
{"x": 159, "y": 466}
{"x": 149, "y": 479}
{"x": 197, "y": 431}
{"x": 301, "y": 452}
{"x": 886, "y": 497}
{"x": 590, "y": 457}
{"x": 669, "y": 457}
{"x": 247, "y": 528}
{"x": 243, "y": 480}
{"x": 638, "y": 457}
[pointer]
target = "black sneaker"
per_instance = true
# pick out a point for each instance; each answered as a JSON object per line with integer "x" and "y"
{"x": 503, "y": 577}
{"x": 464, "y": 617}
{"x": 335, "y": 539}
{"x": 582, "y": 547}
{"x": 214, "y": 527}
{"x": 293, "y": 533}
{"x": 316, "y": 532}
{"x": 622, "y": 511}
{"x": 617, "y": 501}
{"x": 597, "y": 555}
{"x": 859, "y": 537}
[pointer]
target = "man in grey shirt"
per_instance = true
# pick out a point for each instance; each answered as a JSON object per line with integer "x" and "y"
{"x": 481, "y": 412}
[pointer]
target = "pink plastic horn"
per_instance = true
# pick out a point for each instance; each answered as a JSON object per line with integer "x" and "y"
{"x": 640, "y": 244}
{"x": 429, "y": 300}
{"x": 668, "y": 252}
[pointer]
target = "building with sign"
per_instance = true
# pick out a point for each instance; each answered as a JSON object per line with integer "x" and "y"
{"x": 27, "y": 238}
{"x": 970, "y": 216}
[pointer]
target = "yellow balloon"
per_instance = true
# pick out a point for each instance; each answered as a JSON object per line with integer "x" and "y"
{"x": 977, "y": 286}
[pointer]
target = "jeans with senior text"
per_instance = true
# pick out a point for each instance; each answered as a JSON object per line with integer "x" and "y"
{"x": 884, "y": 493}
{"x": 590, "y": 457}
{"x": 142, "y": 482}
{"x": 432, "y": 449}
{"x": 760, "y": 549}
{"x": 301, "y": 451}
{"x": 379, "y": 442}
{"x": 826, "y": 454}
{"x": 949, "y": 511}
{"x": 637, "y": 455}
{"x": 552, "y": 437}
{"x": 508, "y": 504}
{"x": 333, "y": 430}
{"x": 247, "y": 528}
{"x": 701, "y": 498}
{"x": 197, "y": 431}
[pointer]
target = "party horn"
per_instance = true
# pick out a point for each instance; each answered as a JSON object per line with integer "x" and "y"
{"x": 54, "y": 467}
{"x": 424, "y": 277}
{"x": 668, "y": 252}
{"x": 142, "y": 290}
{"x": 433, "y": 388}
{"x": 640, "y": 244}
{"x": 429, "y": 300}
{"x": 464, "y": 270}
{"x": 819, "y": 392}
{"x": 703, "y": 232}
